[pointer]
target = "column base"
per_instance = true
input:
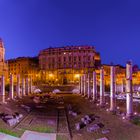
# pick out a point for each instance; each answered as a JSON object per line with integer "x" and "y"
{"x": 113, "y": 111}
{"x": 129, "y": 116}
{"x": 102, "y": 105}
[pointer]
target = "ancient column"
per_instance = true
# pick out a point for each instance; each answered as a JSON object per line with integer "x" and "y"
{"x": 112, "y": 89}
{"x": 30, "y": 84}
{"x": 27, "y": 86}
{"x": 85, "y": 85}
{"x": 94, "y": 86}
{"x": 3, "y": 88}
{"x": 18, "y": 86}
{"x": 122, "y": 85}
{"x": 11, "y": 87}
{"x": 129, "y": 94}
{"x": 102, "y": 88}
{"x": 88, "y": 86}
{"x": 81, "y": 84}
{"x": 23, "y": 87}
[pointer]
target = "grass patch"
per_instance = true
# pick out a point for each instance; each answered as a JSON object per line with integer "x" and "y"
{"x": 61, "y": 137}
{"x": 9, "y": 132}
{"x": 136, "y": 121}
{"x": 43, "y": 129}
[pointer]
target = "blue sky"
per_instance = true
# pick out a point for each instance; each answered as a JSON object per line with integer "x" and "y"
{"x": 113, "y": 26}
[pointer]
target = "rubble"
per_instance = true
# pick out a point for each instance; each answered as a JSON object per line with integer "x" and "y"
{"x": 92, "y": 128}
{"x": 104, "y": 138}
{"x": 105, "y": 131}
{"x": 27, "y": 108}
{"x": 36, "y": 99}
{"x": 56, "y": 91}
{"x": 11, "y": 119}
{"x": 79, "y": 125}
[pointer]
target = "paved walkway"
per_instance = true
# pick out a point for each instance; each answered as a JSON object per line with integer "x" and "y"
{"x": 30, "y": 135}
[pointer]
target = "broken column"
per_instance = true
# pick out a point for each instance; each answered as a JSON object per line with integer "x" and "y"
{"x": 129, "y": 94}
{"x": 23, "y": 87}
{"x": 94, "y": 87}
{"x": 112, "y": 89}
{"x": 102, "y": 88}
{"x": 18, "y": 86}
{"x": 3, "y": 88}
{"x": 88, "y": 86}
{"x": 27, "y": 86}
{"x": 11, "y": 87}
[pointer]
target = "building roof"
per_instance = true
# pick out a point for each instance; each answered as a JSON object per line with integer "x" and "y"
{"x": 1, "y": 43}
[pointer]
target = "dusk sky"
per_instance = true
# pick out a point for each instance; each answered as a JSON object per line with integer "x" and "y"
{"x": 113, "y": 26}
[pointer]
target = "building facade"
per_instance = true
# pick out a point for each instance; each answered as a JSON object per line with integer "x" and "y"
{"x": 25, "y": 67}
{"x": 65, "y": 64}
{"x": 3, "y": 64}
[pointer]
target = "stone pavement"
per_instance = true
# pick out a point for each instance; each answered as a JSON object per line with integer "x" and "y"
{"x": 7, "y": 137}
{"x": 30, "y": 135}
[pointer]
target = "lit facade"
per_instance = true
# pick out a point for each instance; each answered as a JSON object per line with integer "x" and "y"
{"x": 3, "y": 64}
{"x": 25, "y": 67}
{"x": 65, "y": 64}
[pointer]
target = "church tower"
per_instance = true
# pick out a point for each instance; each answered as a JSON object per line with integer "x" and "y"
{"x": 2, "y": 51}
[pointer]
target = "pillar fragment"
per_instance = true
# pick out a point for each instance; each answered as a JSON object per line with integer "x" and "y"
{"x": 11, "y": 87}
{"x": 102, "y": 88}
{"x": 129, "y": 94}
{"x": 3, "y": 88}
{"x": 112, "y": 89}
{"x": 18, "y": 86}
{"x": 94, "y": 87}
{"x": 23, "y": 87}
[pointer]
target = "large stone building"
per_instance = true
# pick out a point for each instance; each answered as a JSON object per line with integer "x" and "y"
{"x": 25, "y": 67}
{"x": 3, "y": 64}
{"x": 65, "y": 64}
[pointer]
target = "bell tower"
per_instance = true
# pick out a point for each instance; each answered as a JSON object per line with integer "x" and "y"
{"x": 2, "y": 51}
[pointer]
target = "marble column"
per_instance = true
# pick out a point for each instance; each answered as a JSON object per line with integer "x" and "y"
{"x": 85, "y": 85}
{"x": 102, "y": 87}
{"x": 30, "y": 84}
{"x": 94, "y": 87}
{"x": 23, "y": 87}
{"x": 81, "y": 84}
{"x": 3, "y": 88}
{"x": 112, "y": 89}
{"x": 11, "y": 87}
{"x": 27, "y": 86}
{"x": 129, "y": 94}
{"x": 18, "y": 86}
{"x": 88, "y": 86}
{"x": 122, "y": 85}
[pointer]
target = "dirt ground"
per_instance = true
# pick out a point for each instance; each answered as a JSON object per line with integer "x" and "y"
{"x": 51, "y": 116}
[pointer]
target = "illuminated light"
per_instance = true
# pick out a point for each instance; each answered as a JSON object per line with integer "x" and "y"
{"x": 64, "y": 53}
{"x": 77, "y": 75}
{"x": 106, "y": 103}
{"x": 135, "y": 113}
{"x": 107, "y": 109}
{"x": 97, "y": 104}
{"x": 123, "y": 118}
{"x": 51, "y": 75}
{"x": 118, "y": 107}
